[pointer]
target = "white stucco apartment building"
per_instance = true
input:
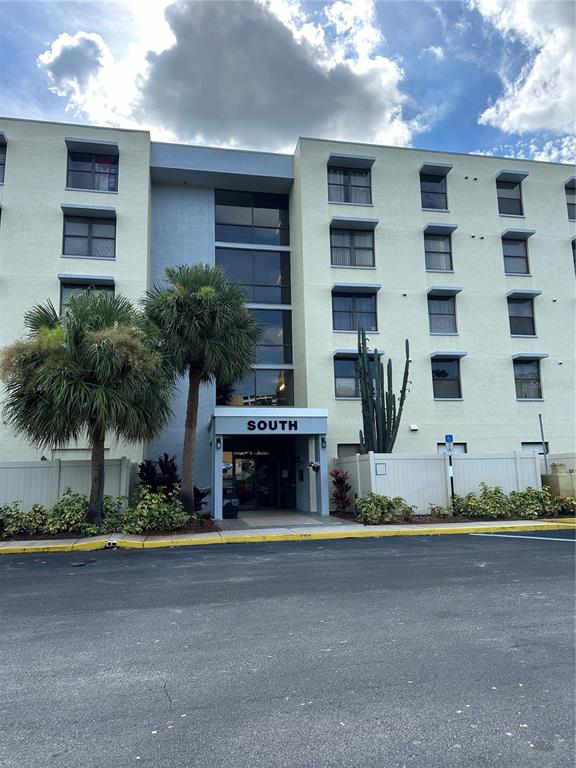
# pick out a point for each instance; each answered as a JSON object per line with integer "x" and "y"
{"x": 469, "y": 257}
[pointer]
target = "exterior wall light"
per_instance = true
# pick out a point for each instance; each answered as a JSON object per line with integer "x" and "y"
{"x": 323, "y": 441}
{"x": 218, "y": 443}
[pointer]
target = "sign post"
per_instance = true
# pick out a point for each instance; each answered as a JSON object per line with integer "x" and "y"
{"x": 449, "y": 442}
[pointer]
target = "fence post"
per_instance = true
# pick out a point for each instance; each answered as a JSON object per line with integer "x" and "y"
{"x": 518, "y": 470}
{"x": 56, "y": 470}
{"x": 372, "y": 472}
{"x": 358, "y": 481}
{"x": 537, "y": 472}
{"x": 448, "y": 485}
{"x": 124, "y": 477}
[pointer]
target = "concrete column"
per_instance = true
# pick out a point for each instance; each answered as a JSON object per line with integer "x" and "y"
{"x": 217, "y": 461}
{"x": 322, "y": 498}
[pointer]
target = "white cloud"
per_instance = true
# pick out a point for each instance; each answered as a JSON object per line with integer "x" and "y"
{"x": 553, "y": 150}
{"x": 434, "y": 50}
{"x": 254, "y": 74}
{"x": 542, "y": 97}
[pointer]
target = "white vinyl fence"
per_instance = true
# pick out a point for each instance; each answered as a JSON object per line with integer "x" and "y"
{"x": 424, "y": 479}
{"x": 43, "y": 482}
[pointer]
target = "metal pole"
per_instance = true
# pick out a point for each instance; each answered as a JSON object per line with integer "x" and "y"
{"x": 544, "y": 444}
{"x": 451, "y": 472}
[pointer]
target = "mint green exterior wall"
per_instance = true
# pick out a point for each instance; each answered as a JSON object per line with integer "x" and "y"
{"x": 31, "y": 231}
{"x": 488, "y": 418}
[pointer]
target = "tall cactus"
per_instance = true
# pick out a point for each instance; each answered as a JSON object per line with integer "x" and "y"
{"x": 381, "y": 413}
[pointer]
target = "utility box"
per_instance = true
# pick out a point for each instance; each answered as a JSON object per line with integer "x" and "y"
{"x": 230, "y": 509}
{"x": 561, "y": 483}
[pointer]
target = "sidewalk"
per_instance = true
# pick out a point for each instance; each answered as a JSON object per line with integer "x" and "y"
{"x": 295, "y": 533}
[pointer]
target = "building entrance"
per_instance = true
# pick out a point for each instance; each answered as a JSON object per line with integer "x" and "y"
{"x": 259, "y": 472}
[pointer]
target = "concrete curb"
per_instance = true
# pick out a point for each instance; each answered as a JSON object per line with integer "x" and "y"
{"x": 249, "y": 537}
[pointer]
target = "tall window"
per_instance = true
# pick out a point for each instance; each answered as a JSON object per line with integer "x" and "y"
{"x": 446, "y": 378}
{"x": 438, "y": 250}
{"x": 275, "y": 346}
{"x": 67, "y": 290}
{"x": 351, "y": 311}
{"x": 264, "y": 275}
{"x": 433, "y": 191}
{"x": 262, "y": 387}
{"x": 515, "y": 256}
{"x": 346, "y": 381}
{"x": 509, "y": 197}
{"x": 521, "y": 314}
{"x": 527, "y": 379}
{"x": 348, "y": 185}
{"x": 87, "y": 171}
{"x": 251, "y": 217}
{"x": 570, "y": 201}
{"x": 2, "y": 162}
{"x": 89, "y": 237}
{"x": 442, "y": 314}
{"x": 352, "y": 248}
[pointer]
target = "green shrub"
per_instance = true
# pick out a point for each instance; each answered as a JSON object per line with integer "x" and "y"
{"x": 565, "y": 505}
{"x": 154, "y": 512}
{"x": 69, "y": 514}
{"x": 494, "y": 503}
{"x": 437, "y": 510}
{"x": 15, "y": 521}
{"x": 374, "y": 509}
{"x": 532, "y": 503}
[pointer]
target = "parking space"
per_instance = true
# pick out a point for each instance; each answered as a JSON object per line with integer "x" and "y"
{"x": 445, "y": 651}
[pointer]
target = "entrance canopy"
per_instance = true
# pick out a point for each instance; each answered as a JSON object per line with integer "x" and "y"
{"x": 277, "y": 447}
{"x": 270, "y": 421}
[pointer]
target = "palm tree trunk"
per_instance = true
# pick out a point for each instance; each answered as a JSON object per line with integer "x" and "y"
{"x": 96, "y": 503}
{"x": 190, "y": 441}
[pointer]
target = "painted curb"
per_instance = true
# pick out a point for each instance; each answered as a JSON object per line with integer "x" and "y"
{"x": 86, "y": 545}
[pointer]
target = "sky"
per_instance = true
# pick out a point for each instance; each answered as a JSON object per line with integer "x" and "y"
{"x": 485, "y": 76}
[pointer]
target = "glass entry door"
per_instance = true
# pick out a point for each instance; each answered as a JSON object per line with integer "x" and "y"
{"x": 255, "y": 480}
{"x": 261, "y": 475}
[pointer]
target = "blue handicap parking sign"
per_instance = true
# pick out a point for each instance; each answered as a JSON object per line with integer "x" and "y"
{"x": 448, "y": 438}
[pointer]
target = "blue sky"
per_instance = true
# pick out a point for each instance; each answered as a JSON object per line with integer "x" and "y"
{"x": 491, "y": 76}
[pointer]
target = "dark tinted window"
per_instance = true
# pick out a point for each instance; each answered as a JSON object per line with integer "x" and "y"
{"x": 86, "y": 171}
{"x": 89, "y": 237}
{"x": 438, "y": 251}
{"x": 521, "y": 314}
{"x": 273, "y": 387}
{"x": 446, "y": 378}
{"x": 570, "y": 201}
{"x": 275, "y": 347}
{"x": 67, "y": 290}
{"x": 433, "y": 191}
{"x": 2, "y": 162}
{"x": 442, "y": 314}
{"x": 509, "y": 197}
{"x": 265, "y": 275}
{"x": 346, "y": 377}
{"x": 352, "y": 248}
{"x": 349, "y": 185}
{"x": 527, "y": 379}
{"x": 351, "y": 311}
{"x": 515, "y": 256}
{"x": 246, "y": 217}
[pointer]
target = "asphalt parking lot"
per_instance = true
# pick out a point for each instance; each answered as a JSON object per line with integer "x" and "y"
{"x": 417, "y": 652}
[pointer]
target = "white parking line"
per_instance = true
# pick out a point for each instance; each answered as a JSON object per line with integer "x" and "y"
{"x": 515, "y": 536}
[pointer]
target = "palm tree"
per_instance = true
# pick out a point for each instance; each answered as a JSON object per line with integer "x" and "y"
{"x": 92, "y": 371}
{"x": 206, "y": 333}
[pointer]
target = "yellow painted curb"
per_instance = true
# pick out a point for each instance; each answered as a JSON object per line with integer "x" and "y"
{"x": 367, "y": 533}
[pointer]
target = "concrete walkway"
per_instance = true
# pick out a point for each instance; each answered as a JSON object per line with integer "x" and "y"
{"x": 340, "y": 530}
